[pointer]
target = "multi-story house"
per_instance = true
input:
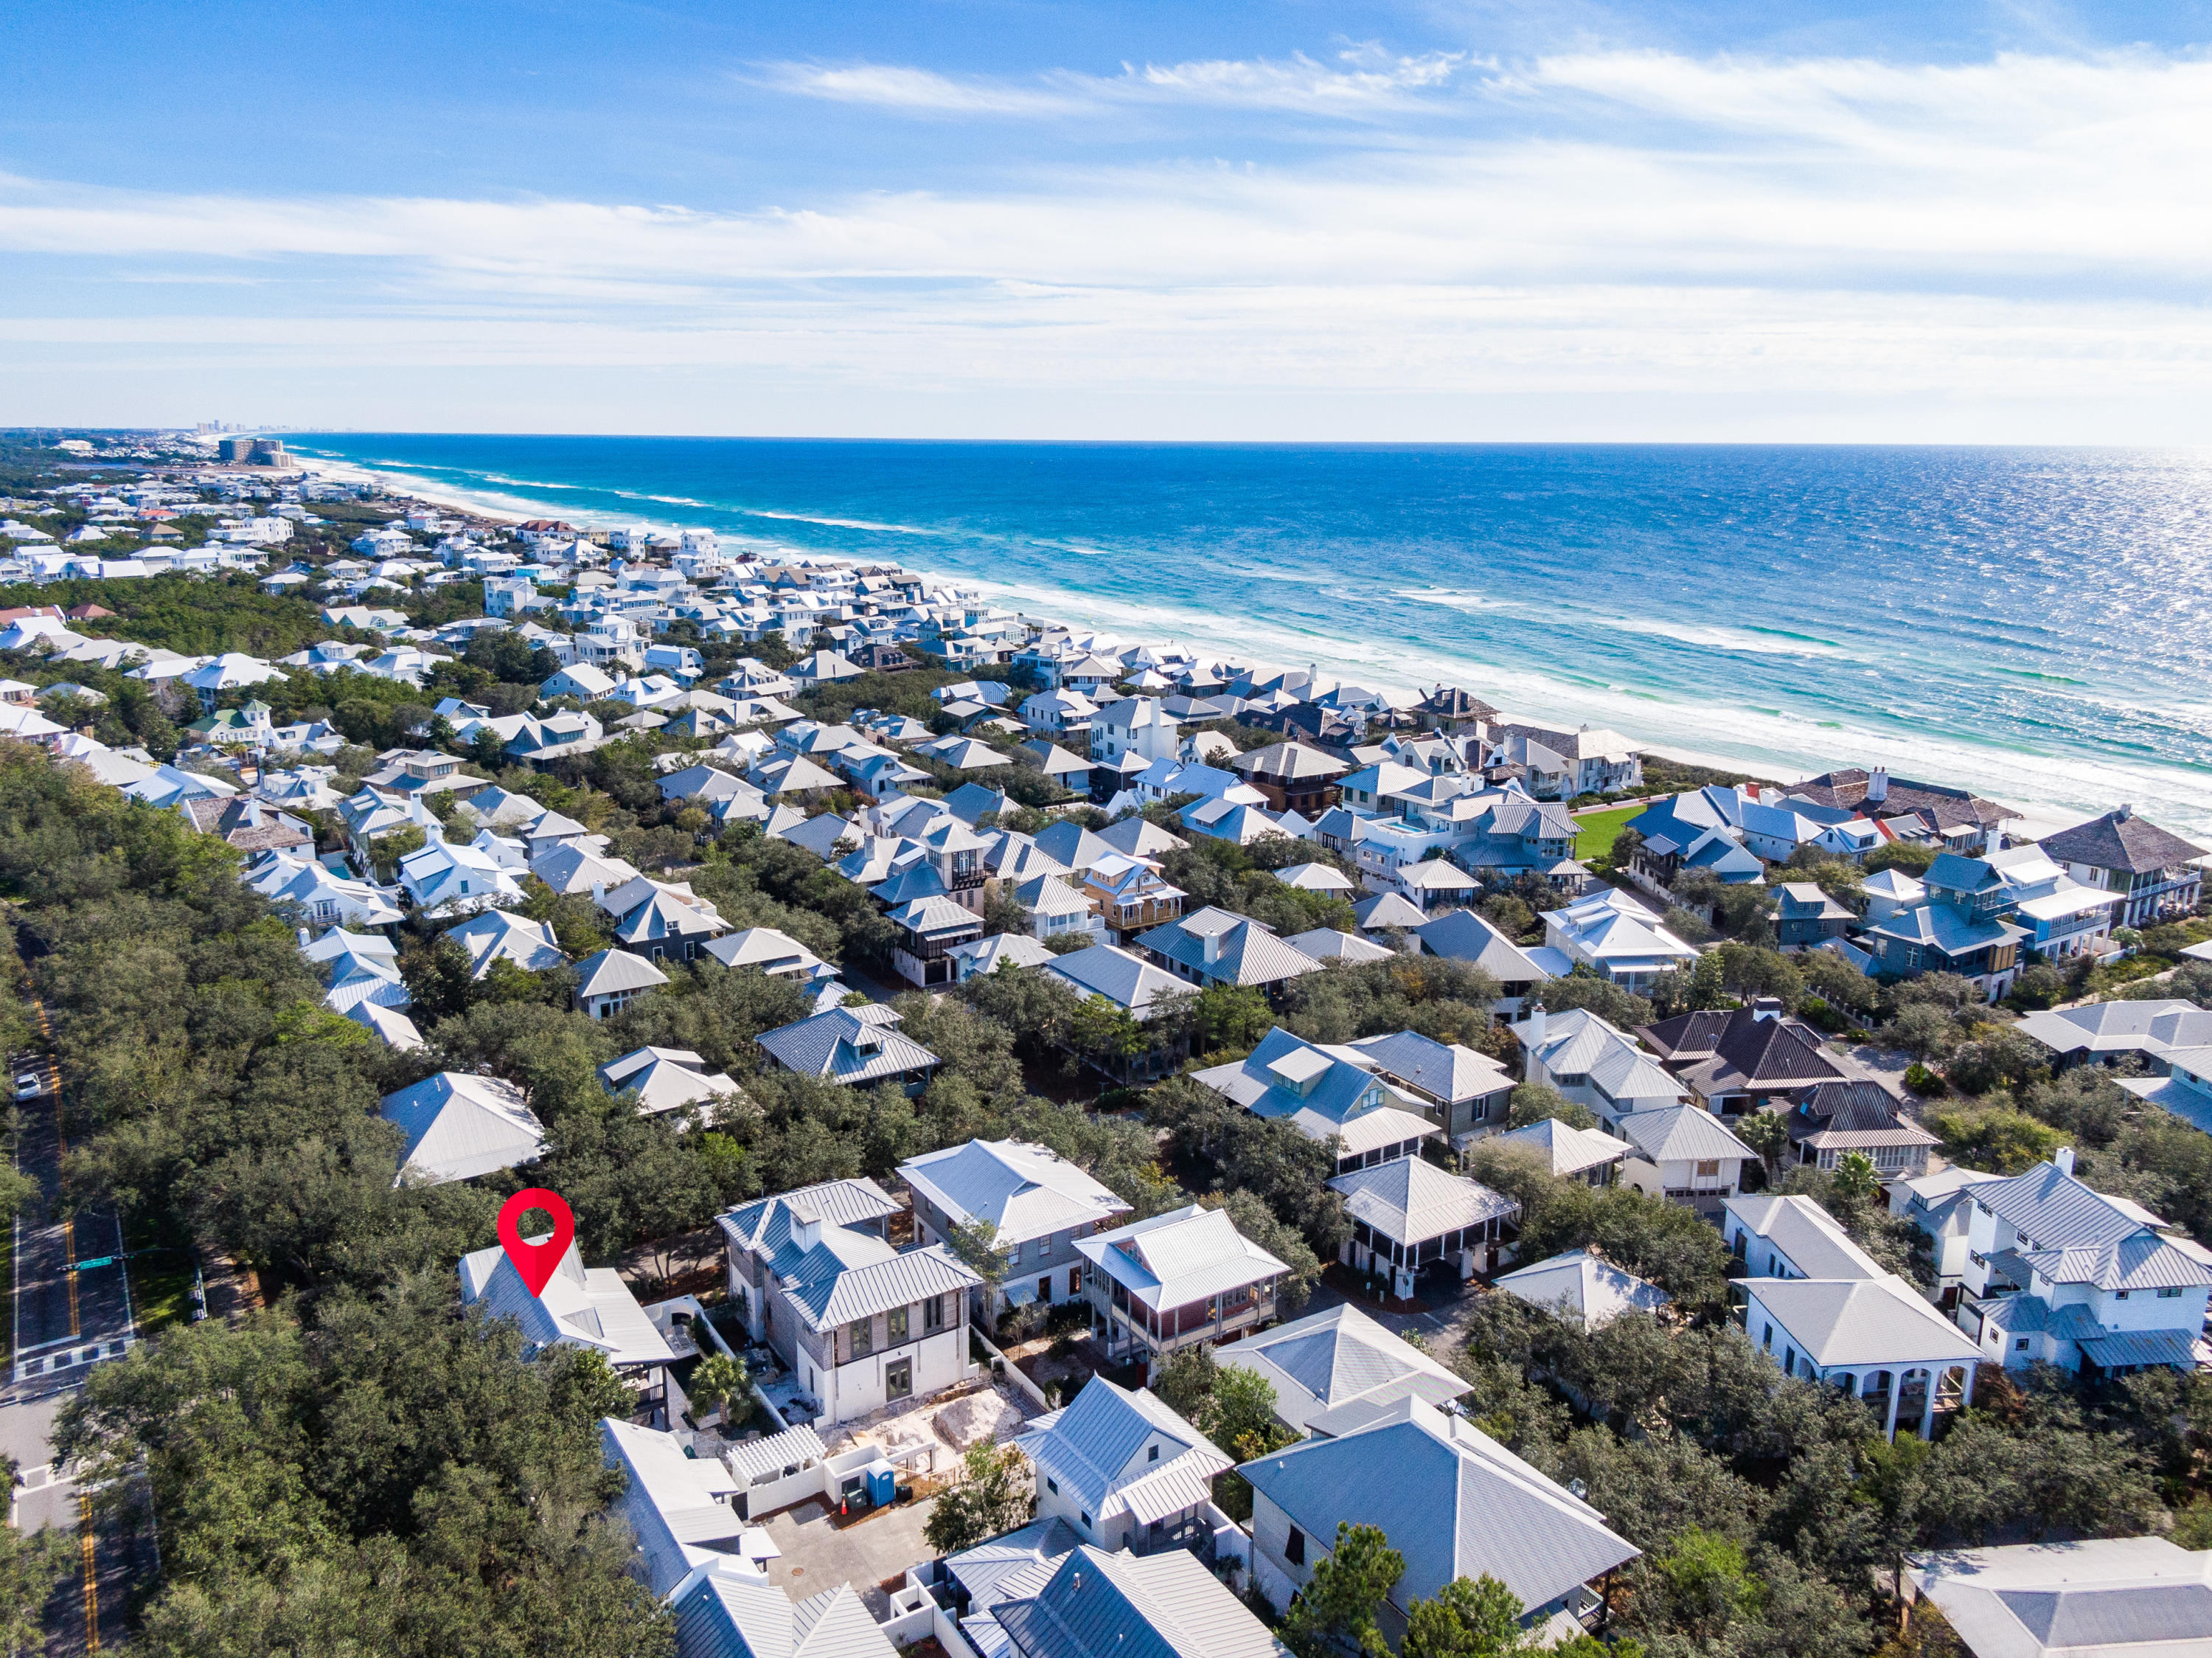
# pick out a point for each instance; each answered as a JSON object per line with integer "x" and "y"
{"x": 1125, "y": 1472}
{"x": 1959, "y": 930}
{"x": 1175, "y": 1281}
{"x": 1136, "y": 725}
{"x": 1293, "y": 776}
{"x": 2155, "y": 872}
{"x": 2058, "y": 1273}
{"x": 1616, "y": 938}
{"x": 929, "y": 929}
{"x": 1036, "y": 1203}
{"x": 1464, "y": 1092}
{"x": 859, "y": 1324}
{"x": 1329, "y": 1094}
{"x": 1563, "y": 764}
{"x": 2059, "y": 915}
{"x": 1591, "y": 1061}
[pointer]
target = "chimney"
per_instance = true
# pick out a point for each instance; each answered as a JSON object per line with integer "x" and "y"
{"x": 598, "y": 891}
{"x": 1211, "y": 943}
{"x": 1766, "y": 1007}
{"x": 2064, "y": 1160}
{"x": 304, "y": 939}
{"x": 2125, "y": 812}
{"x": 1532, "y": 1028}
{"x": 1877, "y": 788}
{"x": 805, "y": 1227}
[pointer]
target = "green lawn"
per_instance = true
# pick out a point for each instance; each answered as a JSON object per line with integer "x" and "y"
{"x": 1593, "y": 834}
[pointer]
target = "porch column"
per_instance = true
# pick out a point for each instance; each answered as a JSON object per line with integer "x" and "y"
{"x": 1896, "y": 1390}
{"x": 1966, "y": 1393}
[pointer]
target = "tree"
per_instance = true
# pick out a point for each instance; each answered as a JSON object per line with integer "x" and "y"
{"x": 995, "y": 1494}
{"x": 1858, "y": 1181}
{"x": 1230, "y": 1016}
{"x": 1335, "y": 1613}
{"x": 1468, "y": 1618}
{"x": 719, "y": 1381}
{"x": 1186, "y": 1385}
{"x": 1535, "y": 1102}
{"x": 30, "y": 1566}
{"x": 1707, "y": 1581}
{"x": 1767, "y": 1133}
{"x": 976, "y": 1242}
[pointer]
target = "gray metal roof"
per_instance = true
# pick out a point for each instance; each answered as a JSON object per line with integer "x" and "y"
{"x": 764, "y": 1224}
{"x": 1857, "y": 1321}
{"x": 1245, "y": 952}
{"x": 1184, "y": 1256}
{"x": 609, "y": 972}
{"x": 1810, "y": 1239}
{"x": 1127, "y": 980}
{"x": 1439, "y": 1070}
{"x": 846, "y": 1046}
{"x": 1317, "y": 1362}
{"x": 2053, "y": 1210}
{"x": 2123, "y": 1597}
{"x": 1410, "y": 1200}
{"x": 458, "y": 1126}
{"x": 1451, "y": 1500}
{"x": 1584, "y": 1289}
{"x": 1571, "y": 1150}
{"x": 1118, "y": 1605}
{"x": 831, "y": 1291}
{"x": 1683, "y": 1134}
{"x": 1024, "y": 1189}
{"x": 1093, "y": 1448}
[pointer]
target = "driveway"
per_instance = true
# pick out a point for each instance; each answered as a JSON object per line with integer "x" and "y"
{"x": 871, "y": 1553}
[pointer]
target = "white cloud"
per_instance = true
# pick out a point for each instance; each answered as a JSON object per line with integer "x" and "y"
{"x": 2029, "y": 227}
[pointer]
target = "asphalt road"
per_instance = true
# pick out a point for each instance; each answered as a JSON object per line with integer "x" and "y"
{"x": 65, "y": 1318}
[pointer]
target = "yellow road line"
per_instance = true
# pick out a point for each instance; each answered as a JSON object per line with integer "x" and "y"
{"x": 91, "y": 1574}
{"x": 69, "y": 1273}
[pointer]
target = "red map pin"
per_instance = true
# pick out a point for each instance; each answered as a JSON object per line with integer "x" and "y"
{"x": 536, "y": 1262}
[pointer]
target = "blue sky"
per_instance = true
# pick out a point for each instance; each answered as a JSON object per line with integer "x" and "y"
{"x": 1916, "y": 222}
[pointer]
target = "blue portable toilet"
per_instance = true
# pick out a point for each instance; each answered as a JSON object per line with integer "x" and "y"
{"x": 881, "y": 1488}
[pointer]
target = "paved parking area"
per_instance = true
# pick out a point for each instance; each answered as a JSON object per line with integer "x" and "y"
{"x": 871, "y": 1553}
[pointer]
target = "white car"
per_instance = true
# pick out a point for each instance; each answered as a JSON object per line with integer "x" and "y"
{"x": 27, "y": 1086}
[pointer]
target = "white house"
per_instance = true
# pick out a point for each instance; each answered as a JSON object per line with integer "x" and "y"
{"x": 1592, "y": 1062}
{"x": 1124, "y": 1471}
{"x": 1328, "y": 1368}
{"x": 1036, "y": 1203}
{"x": 1876, "y": 1339}
{"x": 1685, "y": 1154}
{"x": 1617, "y": 938}
{"x": 1175, "y": 1280}
{"x": 2059, "y": 1272}
{"x": 860, "y": 1324}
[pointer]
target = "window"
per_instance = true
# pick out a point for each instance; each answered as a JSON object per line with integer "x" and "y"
{"x": 2020, "y": 1346}
{"x": 863, "y": 1337}
{"x": 933, "y": 1313}
{"x": 1294, "y": 1547}
{"x": 894, "y": 1325}
{"x": 1075, "y": 1281}
{"x": 2171, "y": 1292}
{"x": 1152, "y": 1454}
{"x": 2119, "y": 1295}
{"x": 898, "y": 1379}
{"x": 1014, "y": 1255}
{"x": 1766, "y": 1342}
{"x": 1709, "y": 1168}
{"x": 1044, "y": 1288}
{"x": 1789, "y": 1361}
{"x": 1052, "y": 1485}
{"x": 1086, "y": 1519}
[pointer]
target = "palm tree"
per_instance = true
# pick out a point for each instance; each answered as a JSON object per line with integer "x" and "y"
{"x": 719, "y": 1380}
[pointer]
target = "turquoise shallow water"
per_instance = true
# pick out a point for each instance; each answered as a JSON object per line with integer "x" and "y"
{"x": 2036, "y": 623}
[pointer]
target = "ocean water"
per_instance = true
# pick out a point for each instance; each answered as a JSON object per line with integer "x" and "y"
{"x": 2036, "y": 624}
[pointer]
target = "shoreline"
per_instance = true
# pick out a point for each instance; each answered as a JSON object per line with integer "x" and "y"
{"x": 1789, "y": 755}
